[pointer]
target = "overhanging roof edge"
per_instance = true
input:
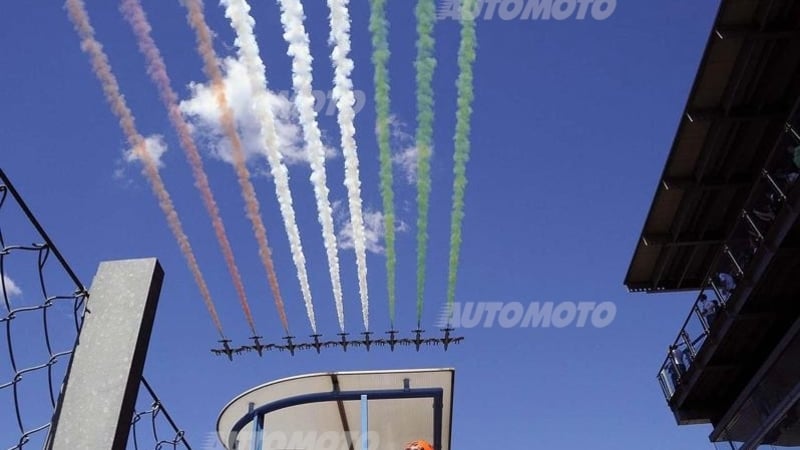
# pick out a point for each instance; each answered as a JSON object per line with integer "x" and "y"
{"x": 681, "y": 125}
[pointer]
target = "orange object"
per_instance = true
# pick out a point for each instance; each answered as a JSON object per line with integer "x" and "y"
{"x": 419, "y": 445}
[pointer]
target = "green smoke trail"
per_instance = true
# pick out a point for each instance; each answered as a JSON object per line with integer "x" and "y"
{"x": 425, "y": 65}
{"x": 466, "y": 57}
{"x": 379, "y": 28}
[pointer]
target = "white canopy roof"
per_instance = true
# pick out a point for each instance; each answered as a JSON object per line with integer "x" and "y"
{"x": 311, "y": 416}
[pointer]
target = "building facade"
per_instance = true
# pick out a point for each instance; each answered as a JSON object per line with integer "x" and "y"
{"x": 724, "y": 224}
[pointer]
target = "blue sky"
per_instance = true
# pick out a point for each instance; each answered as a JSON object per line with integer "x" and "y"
{"x": 572, "y": 123}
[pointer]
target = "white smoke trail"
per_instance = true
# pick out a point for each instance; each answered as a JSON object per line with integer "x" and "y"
{"x": 295, "y": 35}
{"x": 345, "y": 99}
{"x": 238, "y": 11}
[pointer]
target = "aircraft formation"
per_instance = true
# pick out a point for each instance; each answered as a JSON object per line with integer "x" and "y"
{"x": 366, "y": 342}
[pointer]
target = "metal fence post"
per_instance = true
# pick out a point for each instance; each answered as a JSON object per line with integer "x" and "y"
{"x": 99, "y": 393}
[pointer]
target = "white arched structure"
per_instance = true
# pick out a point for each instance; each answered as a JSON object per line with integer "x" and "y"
{"x": 369, "y": 410}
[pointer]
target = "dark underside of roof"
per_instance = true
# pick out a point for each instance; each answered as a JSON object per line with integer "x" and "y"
{"x": 745, "y": 88}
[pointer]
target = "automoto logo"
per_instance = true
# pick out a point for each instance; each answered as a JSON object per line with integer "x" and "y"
{"x": 325, "y": 104}
{"x": 535, "y": 315}
{"x": 529, "y": 9}
{"x": 279, "y": 440}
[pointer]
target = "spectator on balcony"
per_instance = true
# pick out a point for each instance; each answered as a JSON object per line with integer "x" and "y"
{"x": 677, "y": 367}
{"x": 790, "y": 175}
{"x": 726, "y": 285}
{"x": 673, "y": 376}
{"x": 709, "y": 309}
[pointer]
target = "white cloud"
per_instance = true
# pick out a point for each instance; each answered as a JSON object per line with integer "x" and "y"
{"x": 339, "y": 213}
{"x": 397, "y": 130}
{"x": 406, "y": 160}
{"x": 203, "y": 114}
{"x": 11, "y": 287}
{"x": 401, "y": 226}
{"x": 119, "y": 174}
{"x": 405, "y": 154}
{"x": 154, "y": 145}
{"x": 373, "y": 227}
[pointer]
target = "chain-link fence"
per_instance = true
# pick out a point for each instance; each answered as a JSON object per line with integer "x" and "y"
{"x": 152, "y": 426}
{"x": 42, "y": 306}
{"x": 43, "y": 303}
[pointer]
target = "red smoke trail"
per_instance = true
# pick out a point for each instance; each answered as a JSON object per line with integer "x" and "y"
{"x": 206, "y": 50}
{"x": 102, "y": 69}
{"x": 157, "y": 69}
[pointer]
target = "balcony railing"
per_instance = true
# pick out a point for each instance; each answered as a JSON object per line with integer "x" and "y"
{"x": 766, "y": 200}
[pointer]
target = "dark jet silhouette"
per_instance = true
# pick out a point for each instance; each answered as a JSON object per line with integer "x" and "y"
{"x": 290, "y": 345}
{"x": 367, "y": 342}
{"x": 418, "y": 340}
{"x": 317, "y": 345}
{"x": 226, "y": 349}
{"x": 392, "y": 341}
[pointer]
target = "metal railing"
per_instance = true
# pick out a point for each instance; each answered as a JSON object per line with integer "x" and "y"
{"x": 766, "y": 200}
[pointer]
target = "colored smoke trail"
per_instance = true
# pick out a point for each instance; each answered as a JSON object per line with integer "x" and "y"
{"x": 157, "y": 69}
{"x": 102, "y": 69}
{"x": 379, "y": 29}
{"x": 238, "y": 11}
{"x": 425, "y": 65}
{"x": 345, "y": 100}
{"x": 466, "y": 58}
{"x": 206, "y": 50}
{"x": 292, "y": 17}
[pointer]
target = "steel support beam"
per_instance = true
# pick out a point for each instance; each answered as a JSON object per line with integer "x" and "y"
{"x": 687, "y": 239}
{"x": 774, "y": 419}
{"x": 708, "y": 184}
{"x": 734, "y": 115}
{"x": 740, "y": 32}
{"x": 755, "y": 381}
{"x": 342, "y": 414}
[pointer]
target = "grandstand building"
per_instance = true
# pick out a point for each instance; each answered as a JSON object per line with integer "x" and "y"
{"x": 724, "y": 224}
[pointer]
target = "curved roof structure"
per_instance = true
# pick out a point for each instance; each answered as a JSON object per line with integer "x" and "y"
{"x": 324, "y": 410}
